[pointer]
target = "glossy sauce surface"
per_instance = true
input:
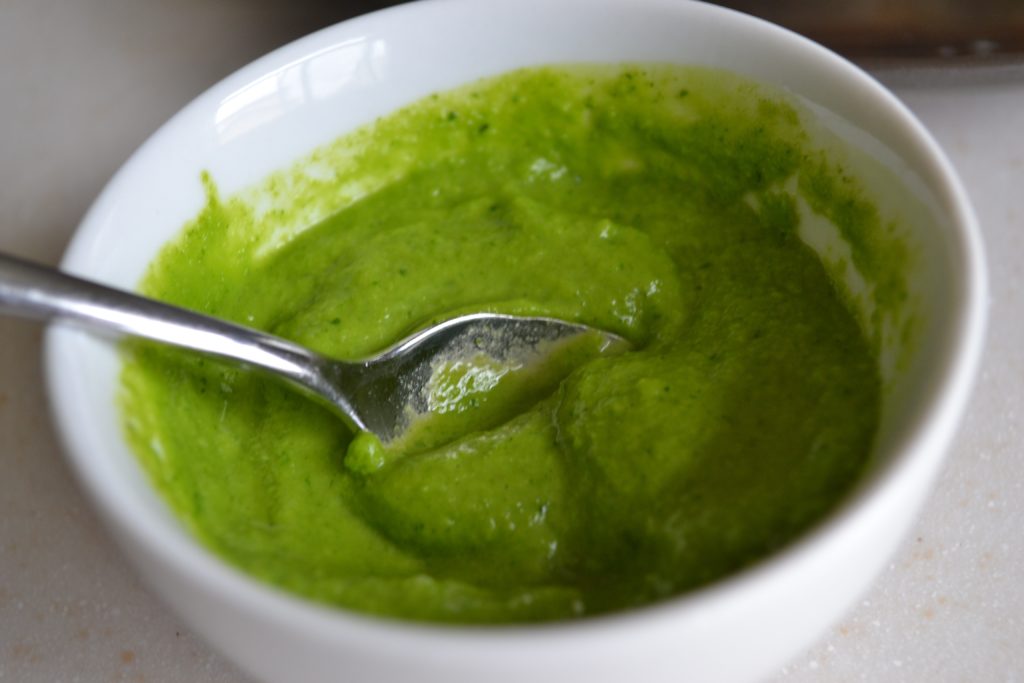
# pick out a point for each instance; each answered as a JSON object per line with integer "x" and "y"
{"x": 651, "y": 201}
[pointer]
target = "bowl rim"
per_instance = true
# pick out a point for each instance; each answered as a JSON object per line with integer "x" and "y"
{"x": 932, "y": 424}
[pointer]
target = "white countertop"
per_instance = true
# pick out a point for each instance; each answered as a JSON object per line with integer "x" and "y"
{"x": 83, "y": 83}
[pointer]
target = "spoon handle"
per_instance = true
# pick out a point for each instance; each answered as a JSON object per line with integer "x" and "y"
{"x": 34, "y": 291}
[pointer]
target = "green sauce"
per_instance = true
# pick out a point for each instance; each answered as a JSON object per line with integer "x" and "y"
{"x": 648, "y": 201}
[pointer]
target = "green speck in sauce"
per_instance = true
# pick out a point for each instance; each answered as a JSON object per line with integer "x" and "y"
{"x": 651, "y": 201}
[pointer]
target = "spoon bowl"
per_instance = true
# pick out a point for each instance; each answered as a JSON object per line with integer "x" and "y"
{"x": 389, "y": 392}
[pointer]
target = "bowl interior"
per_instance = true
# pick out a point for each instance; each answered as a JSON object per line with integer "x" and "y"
{"x": 306, "y": 94}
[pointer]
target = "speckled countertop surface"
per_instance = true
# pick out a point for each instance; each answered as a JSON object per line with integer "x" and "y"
{"x": 83, "y": 83}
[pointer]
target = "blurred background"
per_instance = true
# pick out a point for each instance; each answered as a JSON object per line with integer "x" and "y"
{"x": 871, "y": 30}
{"x": 911, "y": 30}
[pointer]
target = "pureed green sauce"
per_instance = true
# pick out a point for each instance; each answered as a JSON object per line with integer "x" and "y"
{"x": 648, "y": 201}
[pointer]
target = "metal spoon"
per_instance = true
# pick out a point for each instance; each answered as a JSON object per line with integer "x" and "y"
{"x": 376, "y": 394}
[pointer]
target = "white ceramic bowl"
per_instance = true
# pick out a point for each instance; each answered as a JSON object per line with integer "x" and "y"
{"x": 309, "y": 92}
